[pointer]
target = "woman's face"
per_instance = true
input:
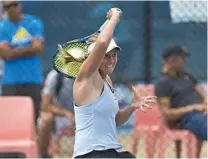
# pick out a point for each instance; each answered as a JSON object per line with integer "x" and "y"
{"x": 109, "y": 62}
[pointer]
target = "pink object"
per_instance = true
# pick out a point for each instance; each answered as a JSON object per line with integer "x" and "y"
{"x": 150, "y": 125}
{"x": 17, "y": 133}
{"x": 187, "y": 138}
{"x": 146, "y": 125}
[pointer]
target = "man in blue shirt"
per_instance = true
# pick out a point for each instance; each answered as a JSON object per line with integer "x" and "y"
{"x": 21, "y": 41}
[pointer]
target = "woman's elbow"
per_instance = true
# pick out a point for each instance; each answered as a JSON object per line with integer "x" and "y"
{"x": 103, "y": 41}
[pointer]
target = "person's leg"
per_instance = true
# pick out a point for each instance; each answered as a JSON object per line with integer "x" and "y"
{"x": 199, "y": 147}
{"x": 33, "y": 91}
{"x": 54, "y": 146}
{"x": 60, "y": 123}
{"x": 10, "y": 90}
{"x": 63, "y": 123}
{"x": 45, "y": 133}
{"x": 178, "y": 148}
{"x": 195, "y": 122}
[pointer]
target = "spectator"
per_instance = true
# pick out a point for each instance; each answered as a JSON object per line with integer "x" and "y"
{"x": 21, "y": 41}
{"x": 57, "y": 105}
{"x": 182, "y": 103}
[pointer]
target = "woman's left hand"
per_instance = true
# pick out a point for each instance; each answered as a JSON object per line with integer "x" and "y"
{"x": 142, "y": 102}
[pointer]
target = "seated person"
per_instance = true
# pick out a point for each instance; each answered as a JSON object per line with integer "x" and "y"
{"x": 182, "y": 103}
{"x": 57, "y": 105}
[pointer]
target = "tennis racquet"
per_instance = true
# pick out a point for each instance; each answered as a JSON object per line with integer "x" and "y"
{"x": 70, "y": 56}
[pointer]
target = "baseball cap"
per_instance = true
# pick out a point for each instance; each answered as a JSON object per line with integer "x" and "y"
{"x": 175, "y": 50}
{"x": 112, "y": 45}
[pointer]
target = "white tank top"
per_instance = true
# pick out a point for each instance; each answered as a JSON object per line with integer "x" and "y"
{"x": 95, "y": 124}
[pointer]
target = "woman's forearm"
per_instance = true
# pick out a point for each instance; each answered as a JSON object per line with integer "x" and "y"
{"x": 123, "y": 115}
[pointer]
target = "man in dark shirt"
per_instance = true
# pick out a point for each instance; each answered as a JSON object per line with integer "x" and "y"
{"x": 181, "y": 101}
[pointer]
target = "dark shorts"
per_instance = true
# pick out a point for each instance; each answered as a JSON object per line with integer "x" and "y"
{"x": 111, "y": 153}
{"x": 31, "y": 90}
{"x": 196, "y": 122}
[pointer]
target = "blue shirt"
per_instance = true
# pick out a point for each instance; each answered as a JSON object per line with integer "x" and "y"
{"x": 20, "y": 35}
{"x": 96, "y": 125}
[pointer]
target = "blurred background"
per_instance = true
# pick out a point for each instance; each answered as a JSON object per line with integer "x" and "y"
{"x": 145, "y": 28}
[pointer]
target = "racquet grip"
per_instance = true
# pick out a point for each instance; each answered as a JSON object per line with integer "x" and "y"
{"x": 120, "y": 12}
{"x": 103, "y": 24}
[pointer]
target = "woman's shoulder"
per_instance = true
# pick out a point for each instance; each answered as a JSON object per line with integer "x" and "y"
{"x": 84, "y": 85}
{"x": 88, "y": 90}
{"x": 82, "y": 80}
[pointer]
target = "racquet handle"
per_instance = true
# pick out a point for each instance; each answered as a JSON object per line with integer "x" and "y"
{"x": 101, "y": 28}
{"x": 120, "y": 12}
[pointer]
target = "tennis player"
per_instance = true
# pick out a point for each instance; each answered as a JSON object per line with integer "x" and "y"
{"x": 96, "y": 108}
